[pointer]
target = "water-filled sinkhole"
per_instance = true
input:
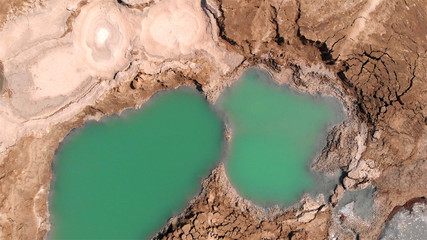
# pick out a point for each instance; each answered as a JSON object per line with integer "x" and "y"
{"x": 126, "y": 176}
{"x": 275, "y": 133}
{"x": 123, "y": 178}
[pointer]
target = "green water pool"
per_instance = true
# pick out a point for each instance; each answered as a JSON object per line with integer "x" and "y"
{"x": 124, "y": 178}
{"x": 275, "y": 132}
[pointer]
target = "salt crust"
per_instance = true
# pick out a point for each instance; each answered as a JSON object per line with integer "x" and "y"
{"x": 54, "y": 69}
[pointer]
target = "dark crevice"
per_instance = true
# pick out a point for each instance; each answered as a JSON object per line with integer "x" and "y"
{"x": 411, "y": 82}
{"x": 132, "y": 85}
{"x": 325, "y": 52}
{"x": 277, "y": 38}
{"x": 115, "y": 75}
{"x": 344, "y": 79}
{"x": 272, "y": 64}
{"x": 93, "y": 110}
{"x": 198, "y": 85}
{"x": 344, "y": 174}
{"x": 139, "y": 6}
{"x": 291, "y": 234}
{"x": 122, "y": 3}
{"x": 220, "y": 23}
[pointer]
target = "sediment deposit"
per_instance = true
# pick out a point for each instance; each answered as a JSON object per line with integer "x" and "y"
{"x": 65, "y": 62}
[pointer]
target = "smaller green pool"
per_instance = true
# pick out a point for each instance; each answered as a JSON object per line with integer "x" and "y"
{"x": 275, "y": 132}
{"x": 124, "y": 178}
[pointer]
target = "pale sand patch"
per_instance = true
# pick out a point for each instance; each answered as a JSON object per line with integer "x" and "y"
{"x": 102, "y": 34}
{"x": 175, "y": 30}
{"x": 174, "y": 27}
{"x": 14, "y": 36}
{"x": 54, "y": 69}
{"x": 26, "y": 32}
{"x": 57, "y": 73}
{"x": 49, "y": 70}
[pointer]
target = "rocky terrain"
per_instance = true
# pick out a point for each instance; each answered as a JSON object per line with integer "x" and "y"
{"x": 369, "y": 54}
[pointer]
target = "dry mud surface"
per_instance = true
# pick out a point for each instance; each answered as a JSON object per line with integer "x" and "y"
{"x": 65, "y": 62}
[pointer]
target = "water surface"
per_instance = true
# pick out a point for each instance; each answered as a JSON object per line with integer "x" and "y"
{"x": 275, "y": 134}
{"x": 124, "y": 178}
